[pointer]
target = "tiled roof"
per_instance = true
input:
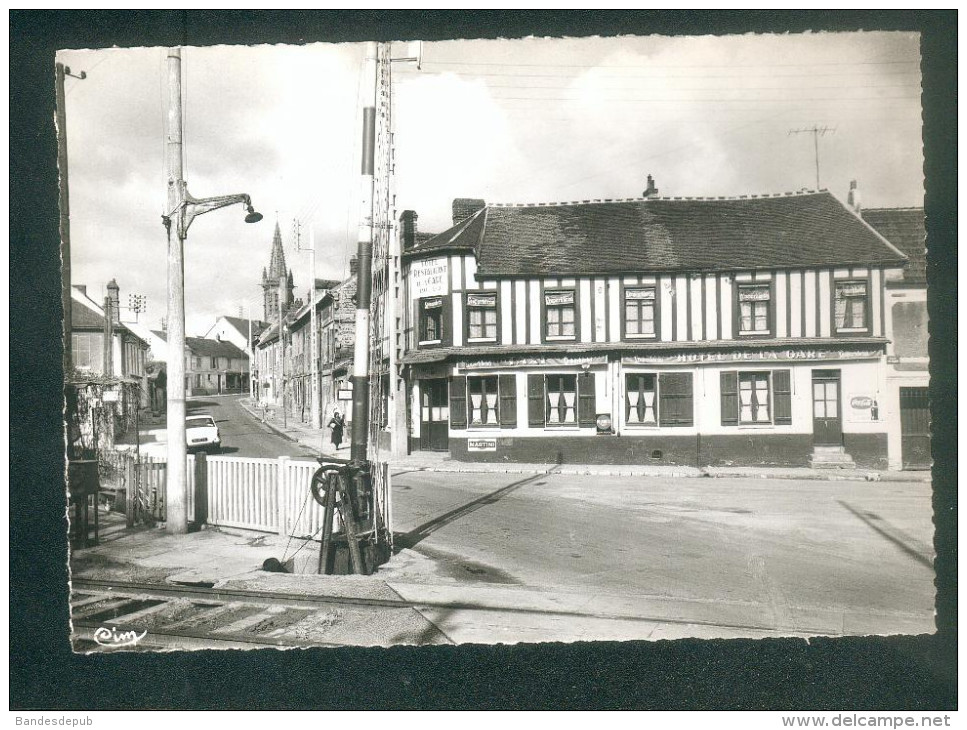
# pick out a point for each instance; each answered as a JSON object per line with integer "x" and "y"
{"x": 241, "y": 324}
{"x": 203, "y": 347}
{"x": 904, "y": 228}
{"x": 85, "y": 318}
{"x": 665, "y": 234}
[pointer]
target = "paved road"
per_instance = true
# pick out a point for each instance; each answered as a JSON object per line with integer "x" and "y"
{"x": 242, "y": 434}
{"x": 857, "y": 554}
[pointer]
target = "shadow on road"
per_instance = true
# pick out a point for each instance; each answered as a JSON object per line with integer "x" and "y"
{"x": 911, "y": 546}
{"x": 420, "y": 533}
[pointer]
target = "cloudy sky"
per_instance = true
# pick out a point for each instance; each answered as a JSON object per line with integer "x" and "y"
{"x": 535, "y": 120}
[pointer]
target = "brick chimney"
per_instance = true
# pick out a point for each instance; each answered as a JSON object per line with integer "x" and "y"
{"x": 113, "y": 293}
{"x": 853, "y": 199}
{"x": 650, "y": 191}
{"x": 463, "y": 208}
{"x": 408, "y": 220}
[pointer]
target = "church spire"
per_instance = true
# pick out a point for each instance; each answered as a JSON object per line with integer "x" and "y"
{"x": 277, "y": 266}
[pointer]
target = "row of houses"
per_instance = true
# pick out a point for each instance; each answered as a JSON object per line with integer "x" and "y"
{"x": 780, "y": 329}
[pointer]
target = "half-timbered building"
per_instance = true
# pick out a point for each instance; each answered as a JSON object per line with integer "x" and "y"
{"x": 686, "y": 331}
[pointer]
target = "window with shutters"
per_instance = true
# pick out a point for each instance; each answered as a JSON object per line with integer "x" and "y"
{"x": 658, "y": 399}
{"x": 431, "y": 321}
{"x": 756, "y": 398}
{"x": 481, "y": 317}
{"x": 639, "y": 313}
{"x": 482, "y": 400}
{"x": 559, "y": 315}
{"x": 560, "y": 403}
{"x": 754, "y": 309}
{"x": 851, "y": 306}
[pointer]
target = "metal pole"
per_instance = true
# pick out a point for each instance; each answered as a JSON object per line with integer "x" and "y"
{"x": 313, "y": 336}
{"x": 364, "y": 257}
{"x": 177, "y": 484}
{"x": 251, "y": 356}
{"x": 65, "y": 229}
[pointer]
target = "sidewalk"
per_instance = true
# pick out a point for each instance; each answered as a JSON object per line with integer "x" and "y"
{"x": 317, "y": 440}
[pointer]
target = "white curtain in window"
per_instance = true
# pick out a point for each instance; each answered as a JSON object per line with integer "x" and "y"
{"x": 649, "y": 407}
{"x": 492, "y": 408}
{"x": 633, "y": 403}
{"x": 475, "y": 401}
{"x": 569, "y": 406}
{"x": 762, "y": 400}
{"x": 745, "y": 400}
{"x": 554, "y": 400}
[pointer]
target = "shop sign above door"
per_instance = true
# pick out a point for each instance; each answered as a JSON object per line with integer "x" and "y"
{"x": 784, "y": 355}
{"x": 429, "y": 278}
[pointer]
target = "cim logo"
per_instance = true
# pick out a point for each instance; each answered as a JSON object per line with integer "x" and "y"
{"x": 112, "y": 637}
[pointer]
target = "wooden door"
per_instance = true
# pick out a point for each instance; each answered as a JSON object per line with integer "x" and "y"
{"x": 827, "y": 410}
{"x": 434, "y": 415}
{"x": 915, "y": 428}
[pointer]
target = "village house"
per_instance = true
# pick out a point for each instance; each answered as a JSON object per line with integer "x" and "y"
{"x": 213, "y": 367}
{"x": 654, "y": 330}
{"x": 907, "y": 359}
{"x": 108, "y": 384}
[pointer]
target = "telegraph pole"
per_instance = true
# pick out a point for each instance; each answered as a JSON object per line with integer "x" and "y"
{"x": 182, "y": 209}
{"x": 364, "y": 269}
{"x": 815, "y": 131}
{"x": 313, "y": 336}
{"x": 60, "y": 72}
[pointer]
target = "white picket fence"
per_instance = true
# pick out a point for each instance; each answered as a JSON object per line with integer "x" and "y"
{"x": 271, "y": 495}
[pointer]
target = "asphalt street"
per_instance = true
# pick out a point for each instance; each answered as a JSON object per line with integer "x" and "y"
{"x": 863, "y": 549}
{"x": 242, "y": 434}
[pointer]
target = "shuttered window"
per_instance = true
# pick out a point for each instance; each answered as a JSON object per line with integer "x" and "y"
{"x": 586, "y": 400}
{"x": 458, "y": 402}
{"x": 508, "y": 400}
{"x": 782, "y": 397}
{"x": 675, "y": 399}
{"x": 729, "y": 390}
{"x": 758, "y": 397}
{"x": 535, "y": 400}
{"x": 561, "y": 401}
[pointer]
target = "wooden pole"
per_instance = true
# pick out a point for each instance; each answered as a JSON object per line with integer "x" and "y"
{"x": 65, "y": 228}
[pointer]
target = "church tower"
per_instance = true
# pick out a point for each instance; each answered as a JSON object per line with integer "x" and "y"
{"x": 270, "y": 280}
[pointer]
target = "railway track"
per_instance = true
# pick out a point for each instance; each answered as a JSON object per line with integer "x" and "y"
{"x": 146, "y": 616}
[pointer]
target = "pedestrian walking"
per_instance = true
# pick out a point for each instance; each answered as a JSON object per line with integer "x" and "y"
{"x": 337, "y": 423}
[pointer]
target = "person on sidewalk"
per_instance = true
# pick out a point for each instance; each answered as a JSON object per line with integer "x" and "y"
{"x": 337, "y": 423}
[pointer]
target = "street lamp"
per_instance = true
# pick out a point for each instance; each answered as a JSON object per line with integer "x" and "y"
{"x": 182, "y": 209}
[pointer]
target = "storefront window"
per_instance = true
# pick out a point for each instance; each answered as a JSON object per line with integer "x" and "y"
{"x": 640, "y": 312}
{"x": 850, "y": 306}
{"x": 482, "y": 317}
{"x": 559, "y": 315}
{"x": 482, "y": 394}
{"x": 754, "y": 398}
{"x": 754, "y": 303}
{"x": 561, "y": 400}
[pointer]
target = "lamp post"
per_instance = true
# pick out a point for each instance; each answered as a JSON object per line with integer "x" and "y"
{"x": 182, "y": 210}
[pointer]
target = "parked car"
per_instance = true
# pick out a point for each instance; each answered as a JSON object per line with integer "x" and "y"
{"x": 202, "y": 434}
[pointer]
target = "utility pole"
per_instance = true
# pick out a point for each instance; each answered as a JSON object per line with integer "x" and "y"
{"x": 182, "y": 209}
{"x": 364, "y": 267}
{"x": 60, "y": 71}
{"x": 281, "y": 358}
{"x": 315, "y": 415}
{"x": 815, "y": 131}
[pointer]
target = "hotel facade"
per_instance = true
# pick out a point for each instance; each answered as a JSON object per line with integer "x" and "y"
{"x": 703, "y": 332}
